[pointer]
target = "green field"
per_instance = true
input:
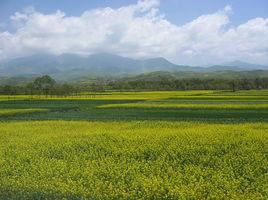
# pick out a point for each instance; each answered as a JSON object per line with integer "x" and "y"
{"x": 15, "y": 112}
{"x": 135, "y": 145}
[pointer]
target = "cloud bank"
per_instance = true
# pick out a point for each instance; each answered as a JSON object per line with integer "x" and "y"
{"x": 139, "y": 31}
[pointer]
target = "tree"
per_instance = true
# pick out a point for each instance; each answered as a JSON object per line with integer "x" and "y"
{"x": 67, "y": 89}
{"x": 30, "y": 88}
{"x": 234, "y": 85}
{"x": 258, "y": 83}
{"x": 9, "y": 90}
{"x": 44, "y": 84}
{"x": 97, "y": 88}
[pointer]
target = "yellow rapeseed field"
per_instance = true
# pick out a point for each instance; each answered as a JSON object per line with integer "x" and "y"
{"x": 133, "y": 160}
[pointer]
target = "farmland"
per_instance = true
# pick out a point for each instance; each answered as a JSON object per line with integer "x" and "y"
{"x": 135, "y": 145}
{"x": 212, "y": 106}
{"x": 10, "y": 112}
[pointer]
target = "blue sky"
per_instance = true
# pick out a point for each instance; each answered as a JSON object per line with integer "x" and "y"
{"x": 194, "y": 32}
{"x": 176, "y": 11}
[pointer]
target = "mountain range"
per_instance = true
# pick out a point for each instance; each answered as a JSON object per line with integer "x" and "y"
{"x": 72, "y": 67}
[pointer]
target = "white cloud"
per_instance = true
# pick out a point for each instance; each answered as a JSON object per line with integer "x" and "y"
{"x": 137, "y": 30}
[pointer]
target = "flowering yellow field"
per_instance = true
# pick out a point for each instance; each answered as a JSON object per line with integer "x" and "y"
{"x": 189, "y": 106}
{"x": 133, "y": 160}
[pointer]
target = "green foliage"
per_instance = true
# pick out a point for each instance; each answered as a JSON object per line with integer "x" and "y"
{"x": 44, "y": 84}
{"x": 172, "y": 83}
{"x": 157, "y": 81}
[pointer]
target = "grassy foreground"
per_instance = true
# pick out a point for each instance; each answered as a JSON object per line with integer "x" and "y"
{"x": 133, "y": 160}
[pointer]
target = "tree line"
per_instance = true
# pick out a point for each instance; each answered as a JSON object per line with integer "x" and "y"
{"x": 191, "y": 84}
{"x": 45, "y": 85}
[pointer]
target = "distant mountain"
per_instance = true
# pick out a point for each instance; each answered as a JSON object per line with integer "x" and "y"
{"x": 244, "y": 65}
{"x": 73, "y": 67}
{"x": 158, "y": 64}
{"x": 15, "y": 80}
{"x": 68, "y": 66}
{"x": 216, "y": 68}
{"x": 32, "y": 65}
{"x": 231, "y": 66}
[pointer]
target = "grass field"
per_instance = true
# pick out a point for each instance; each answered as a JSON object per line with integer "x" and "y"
{"x": 10, "y": 112}
{"x": 135, "y": 145}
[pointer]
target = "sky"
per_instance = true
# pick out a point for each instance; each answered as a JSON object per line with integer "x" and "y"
{"x": 193, "y": 32}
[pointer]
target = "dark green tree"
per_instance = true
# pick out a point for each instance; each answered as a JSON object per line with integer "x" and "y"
{"x": 44, "y": 84}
